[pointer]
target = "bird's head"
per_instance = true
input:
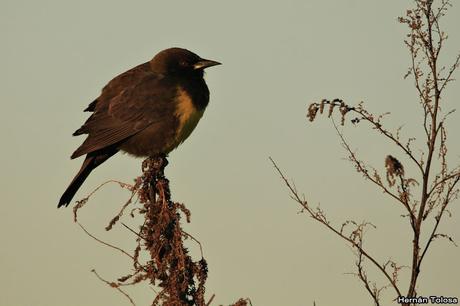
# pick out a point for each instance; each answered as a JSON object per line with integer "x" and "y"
{"x": 180, "y": 61}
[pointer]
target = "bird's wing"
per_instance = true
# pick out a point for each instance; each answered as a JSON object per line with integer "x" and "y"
{"x": 118, "y": 83}
{"x": 133, "y": 109}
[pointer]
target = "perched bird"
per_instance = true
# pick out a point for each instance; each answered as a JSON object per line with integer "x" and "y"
{"x": 147, "y": 110}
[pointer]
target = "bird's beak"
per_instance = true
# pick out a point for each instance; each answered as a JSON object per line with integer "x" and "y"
{"x": 204, "y": 63}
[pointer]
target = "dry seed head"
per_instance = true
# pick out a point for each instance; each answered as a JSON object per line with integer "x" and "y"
{"x": 321, "y": 105}
{"x": 394, "y": 169}
{"x": 394, "y": 166}
{"x": 312, "y": 111}
{"x": 331, "y": 109}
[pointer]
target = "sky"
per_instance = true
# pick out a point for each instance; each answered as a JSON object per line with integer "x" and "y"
{"x": 278, "y": 56}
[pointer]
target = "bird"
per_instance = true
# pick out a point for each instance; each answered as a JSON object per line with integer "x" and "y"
{"x": 146, "y": 111}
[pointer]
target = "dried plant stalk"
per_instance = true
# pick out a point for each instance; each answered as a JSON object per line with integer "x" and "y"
{"x": 437, "y": 190}
{"x": 170, "y": 267}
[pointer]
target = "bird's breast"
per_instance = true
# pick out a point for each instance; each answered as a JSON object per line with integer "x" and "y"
{"x": 188, "y": 116}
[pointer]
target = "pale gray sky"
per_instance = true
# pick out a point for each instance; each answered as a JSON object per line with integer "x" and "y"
{"x": 277, "y": 57}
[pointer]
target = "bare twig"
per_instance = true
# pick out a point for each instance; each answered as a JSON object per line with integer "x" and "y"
{"x": 115, "y": 286}
{"x": 321, "y": 219}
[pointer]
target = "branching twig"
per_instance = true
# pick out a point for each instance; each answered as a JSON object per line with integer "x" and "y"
{"x": 321, "y": 219}
{"x": 115, "y": 286}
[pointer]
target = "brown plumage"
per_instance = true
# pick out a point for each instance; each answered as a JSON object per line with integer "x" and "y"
{"x": 147, "y": 110}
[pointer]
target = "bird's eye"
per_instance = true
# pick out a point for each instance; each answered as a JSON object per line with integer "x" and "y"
{"x": 183, "y": 63}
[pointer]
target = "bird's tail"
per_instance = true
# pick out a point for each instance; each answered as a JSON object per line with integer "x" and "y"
{"x": 92, "y": 160}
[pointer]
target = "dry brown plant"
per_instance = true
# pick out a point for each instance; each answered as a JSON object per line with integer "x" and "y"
{"x": 169, "y": 267}
{"x": 435, "y": 179}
